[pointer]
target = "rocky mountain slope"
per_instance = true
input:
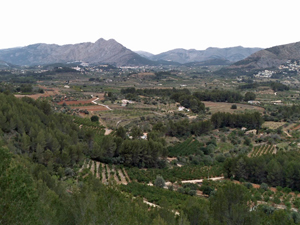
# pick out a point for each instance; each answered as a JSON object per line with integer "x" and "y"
{"x": 102, "y": 51}
{"x": 232, "y": 54}
{"x": 270, "y": 57}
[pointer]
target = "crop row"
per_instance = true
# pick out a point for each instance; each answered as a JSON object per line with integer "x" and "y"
{"x": 175, "y": 173}
{"x": 261, "y": 150}
{"x": 188, "y": 147}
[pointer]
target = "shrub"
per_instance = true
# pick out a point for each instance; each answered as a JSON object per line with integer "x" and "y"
{"x": 159, "y": 181}
{"x": 248, "y": 185}
{"x": 264, "y": 186}
{"x": 276, "y": 200}
{"x": 233, "y": 107}
{"x": 94, "y": 118}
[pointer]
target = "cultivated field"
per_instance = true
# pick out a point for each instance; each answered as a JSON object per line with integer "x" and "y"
{"x": 226, "y": 107}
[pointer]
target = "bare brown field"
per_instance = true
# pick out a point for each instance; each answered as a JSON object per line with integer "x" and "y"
{"x": 77, "y": 102}
{"x": 226, "y": 107}
{"x": 297, "y": 127}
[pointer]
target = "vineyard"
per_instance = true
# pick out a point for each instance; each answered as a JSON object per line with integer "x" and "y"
{"x": 109, "y": 172}
{"x": 175, "y": 174}
{"x": 188, "y": 147}
{"x": 105, "y": 172}
{"x": 263, "y": 149}
{"x": 156, "y": 195}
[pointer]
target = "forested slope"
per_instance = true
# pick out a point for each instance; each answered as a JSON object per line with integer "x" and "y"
{"x": 40, "y": 156}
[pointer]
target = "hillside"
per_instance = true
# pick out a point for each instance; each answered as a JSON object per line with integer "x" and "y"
{"x": 102, "y": 51}
{"x": 270, "y": 57}
{"x": 232, "y": 54}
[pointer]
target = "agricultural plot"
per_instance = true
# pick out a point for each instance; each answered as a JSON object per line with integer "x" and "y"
{"x": 106, "y": 173}
{"x": 263, "y": 149}
{"x": 273, "y": 125}
{"x": 226, "y": 107}
{"x": 190, "y": 172}
{"x": 188, "y": 147}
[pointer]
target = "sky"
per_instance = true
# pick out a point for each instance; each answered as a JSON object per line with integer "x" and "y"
{"x": 154, "y": 26}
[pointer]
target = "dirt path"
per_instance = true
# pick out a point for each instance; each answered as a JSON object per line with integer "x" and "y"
{"x": 103, "y": 174}
{"x": 93, "y": 167}
{"x": 97, "y": 173}
{"x": 108, "y": 131}
{"x": 287, "y": 133}
{"x": 94, "y": 102}
{"x": 201, "y": 180}
{"x": 123, "y": 179}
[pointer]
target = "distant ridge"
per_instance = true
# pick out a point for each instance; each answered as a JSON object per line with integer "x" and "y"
{"x": 102, "y": 51}
{"x": 112, "y": 52}
{"x": 232, "y": 54}
{"x": 270, "y": 57}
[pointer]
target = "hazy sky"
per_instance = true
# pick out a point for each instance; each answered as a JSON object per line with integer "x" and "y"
{"x": 151, "y": 25}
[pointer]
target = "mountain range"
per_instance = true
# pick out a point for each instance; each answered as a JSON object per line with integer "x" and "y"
{"x": 270, "y": 57}
{"x": 101, "y": 51}
{"x": 112, "y": 52}
{"x": 182, "y": 56}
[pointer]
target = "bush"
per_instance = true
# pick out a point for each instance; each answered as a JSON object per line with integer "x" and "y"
{"x": 95, "y": 118}
{"x": 264, "y": 186}
{"x": 248, "y": 185}
{"x": 159, "y": 181}
{"x": 287, "y": 190}
{"x": 276, "y": 200}
{"x": 233, "y": 107}
{"x": 192, "y": 192}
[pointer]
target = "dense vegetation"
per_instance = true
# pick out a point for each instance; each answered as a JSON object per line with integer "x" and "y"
{"x": 249, "y": 120}
{"x": 281, "y": 169}
{"x": 60, "y": 168}
{"x": 275, "y": 86}
{"x": 219, "y": 96}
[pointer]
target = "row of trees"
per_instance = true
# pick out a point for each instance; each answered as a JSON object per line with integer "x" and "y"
{"x": 218, "y": 120}
{"x": 219, "y": 96}
{"x": 281, "y": 169}
{"x": 154, "y": 92}
{"x": 138, "y": 153}
{"x": 248, "y": 120}
{"x": 276, "y": 86}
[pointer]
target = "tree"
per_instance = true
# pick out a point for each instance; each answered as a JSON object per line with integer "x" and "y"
{"x": 234, "y": 107}
{"x": 95, "y": 118}
{"x": 231, "y": 205}
{"x": 121, "y": 132}
{"x": 18, "y": 199}
{"x": 136, "y": 132}
{"x": 249, "y": 96}
{"x": 159, "y": 181}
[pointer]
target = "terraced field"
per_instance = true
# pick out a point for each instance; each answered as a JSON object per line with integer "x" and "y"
{"x": 263, "y": 149}
{"x": 105, "y": 172}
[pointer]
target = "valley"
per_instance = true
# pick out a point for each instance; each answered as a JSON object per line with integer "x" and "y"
{"x": 150, "y": 143}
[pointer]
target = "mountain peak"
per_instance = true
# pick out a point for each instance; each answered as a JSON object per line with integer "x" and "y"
{"x": 102, "y": 51}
